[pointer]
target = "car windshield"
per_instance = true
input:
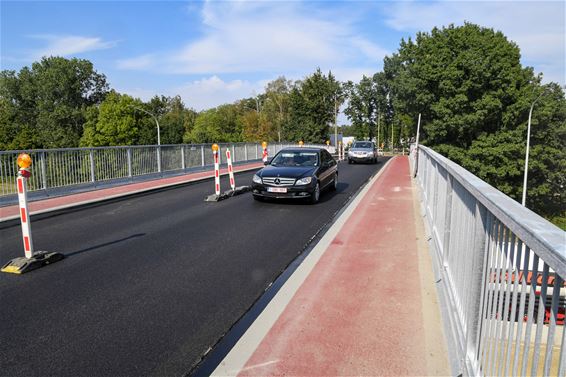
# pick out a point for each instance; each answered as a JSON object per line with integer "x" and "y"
{"x": 295, "y": 158}
{"x": 365, "y": 145}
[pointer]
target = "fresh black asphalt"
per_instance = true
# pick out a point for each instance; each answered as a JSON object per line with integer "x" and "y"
{"x": 149, "y": 282}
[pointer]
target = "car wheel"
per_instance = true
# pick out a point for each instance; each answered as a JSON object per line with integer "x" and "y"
{"x": 334, "y": 185}
{"x": 315, "y": 194}
{"x": 349, "y": 161}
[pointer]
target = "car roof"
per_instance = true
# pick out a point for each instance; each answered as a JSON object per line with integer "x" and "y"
{"x": 302, "y": 149}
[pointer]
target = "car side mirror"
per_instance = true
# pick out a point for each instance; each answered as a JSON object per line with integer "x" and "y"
{"x": 268, "y": 161}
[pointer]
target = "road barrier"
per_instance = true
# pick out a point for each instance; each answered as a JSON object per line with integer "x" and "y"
{"x": 32, "y": 260}
{"x": 216, "y": 169}
{"x": 230, "y": 170}
{"x": 264, "y": 154}
{"x": 502, "y": 270}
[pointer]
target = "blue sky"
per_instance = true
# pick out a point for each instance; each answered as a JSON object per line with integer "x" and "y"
{"x": 215, "y": 52}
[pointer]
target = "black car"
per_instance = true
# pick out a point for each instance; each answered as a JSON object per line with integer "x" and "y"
{"x": 298, "y": 173}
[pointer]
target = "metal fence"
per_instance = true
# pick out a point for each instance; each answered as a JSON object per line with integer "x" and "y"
{"x": 502, "y": 268}
{"x": 64, "y": 170}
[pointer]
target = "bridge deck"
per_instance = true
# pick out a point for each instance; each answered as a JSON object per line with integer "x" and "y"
{"x": 365, "y": 302}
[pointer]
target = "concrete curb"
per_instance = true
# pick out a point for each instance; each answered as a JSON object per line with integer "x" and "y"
{"x": 123, "y": 194}
{"x": 235, "y": 360}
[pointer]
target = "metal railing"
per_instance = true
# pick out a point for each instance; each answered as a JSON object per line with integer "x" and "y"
{"x": 502, "y": 268}
{"x": 62, "y": 171}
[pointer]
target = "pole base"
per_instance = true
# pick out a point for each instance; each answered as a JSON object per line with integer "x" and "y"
{"x": 22, "y": 265}
{"x": 237, "y": 191}
{"x": 227, "y": 194}
{"x": 214, "y": 198}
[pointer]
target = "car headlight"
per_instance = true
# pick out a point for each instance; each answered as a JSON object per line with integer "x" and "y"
{"x": 304, "y": 181}
{"x": 256, "y": 179}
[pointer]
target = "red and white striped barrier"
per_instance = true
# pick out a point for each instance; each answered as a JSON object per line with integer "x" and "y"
{"x": 216, "y": 172}
{"x": 32, "y": 260}
{"x": 230, "y": 169}
{"x": 24, "y": 214}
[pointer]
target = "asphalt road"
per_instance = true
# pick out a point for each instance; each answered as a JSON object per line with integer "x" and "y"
{"x": 149, "y": 282}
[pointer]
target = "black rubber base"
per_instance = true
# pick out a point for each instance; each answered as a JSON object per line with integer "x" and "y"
{"x": 227, "y": 194}
{"x": 22, "y": 265}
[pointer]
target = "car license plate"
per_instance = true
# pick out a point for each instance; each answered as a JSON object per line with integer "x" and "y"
{"x": 276, "y": 189}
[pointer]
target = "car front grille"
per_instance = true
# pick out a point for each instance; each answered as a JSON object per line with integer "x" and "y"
{"x": 278, "y": 181}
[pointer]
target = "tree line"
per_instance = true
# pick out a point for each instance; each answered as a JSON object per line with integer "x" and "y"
{"x": 467, "y": 82}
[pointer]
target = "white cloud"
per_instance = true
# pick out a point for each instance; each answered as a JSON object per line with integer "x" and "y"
{"x": 213, "y": 91}
{"x": 538, "y": 27}
{"x": 66, "y": 45}
{"x": 137, "y": 63}
{"x": 271, "y": 37}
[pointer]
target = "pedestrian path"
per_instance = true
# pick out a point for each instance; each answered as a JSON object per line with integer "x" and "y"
{"x": 363, "y": 302}
{"x": 61, "y": 202}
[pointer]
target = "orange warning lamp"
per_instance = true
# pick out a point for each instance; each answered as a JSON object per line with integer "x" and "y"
{"x": 327, "y": 142}
{"x": 215, "y": 147}
{"x": 24, "y": 160}
{"x": 301, "y": 143}
{"x": 264, "y": 145}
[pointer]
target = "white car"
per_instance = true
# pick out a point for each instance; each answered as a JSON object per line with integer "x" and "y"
{"x": 363, "y": 151}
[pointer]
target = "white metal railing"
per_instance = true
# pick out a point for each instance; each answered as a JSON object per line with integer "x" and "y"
{"x": 502, "y": 268}
{"x": 72, "y": 168}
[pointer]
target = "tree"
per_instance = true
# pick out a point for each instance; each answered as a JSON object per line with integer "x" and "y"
{"x": 311, "y": 108}
{"x": 221, "y": 124}
{"x": 278, "y": 92}
{"x": 115, "y": 122}
{"x": 474, "y": 96}
{"x": 45, "y": 106}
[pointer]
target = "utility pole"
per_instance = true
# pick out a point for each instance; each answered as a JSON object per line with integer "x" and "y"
{"x": 378, "y": 118}
{"x": 524, "y": 199}
{"x": 335, "y": 121}
{"x": 391, "y": 137}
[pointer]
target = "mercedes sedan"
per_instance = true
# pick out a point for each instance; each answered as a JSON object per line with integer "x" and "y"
{"x": 298, "y": 173}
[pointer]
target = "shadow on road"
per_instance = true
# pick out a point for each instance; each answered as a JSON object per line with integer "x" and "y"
{"x": 73, "y": 253}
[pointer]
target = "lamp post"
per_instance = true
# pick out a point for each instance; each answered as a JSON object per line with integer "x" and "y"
{"x": 523, "y": 201}
{"x": 158, "y": 136}
{"x": 156, "y": 122}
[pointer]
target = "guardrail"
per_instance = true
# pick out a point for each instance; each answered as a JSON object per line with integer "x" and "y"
{"x": 60, "y": 171}
{"x": 502, "y": 268}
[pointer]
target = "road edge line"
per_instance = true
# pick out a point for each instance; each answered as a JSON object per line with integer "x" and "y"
{"x": 235, "y": 360}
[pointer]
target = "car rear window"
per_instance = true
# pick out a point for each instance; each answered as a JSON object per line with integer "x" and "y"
{"x": 362, "y": 145}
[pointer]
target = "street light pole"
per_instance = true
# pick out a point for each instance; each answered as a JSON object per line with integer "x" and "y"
{"x": 156, "y": 122}
{"x": 336, "y": 122}
{"x": 158, "y": 136}
{"x": 524, "y": 199}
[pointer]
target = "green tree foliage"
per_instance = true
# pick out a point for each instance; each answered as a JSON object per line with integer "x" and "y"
{"x": 366, "y": 102}
{"x": 222, "y": 123}
{"x": 45, "y": 106}
{"x": 277, "y": 104}
{"x": 311, "y": 108}
{"x": 474, "y": 97}
{"x": 115, "y": 122}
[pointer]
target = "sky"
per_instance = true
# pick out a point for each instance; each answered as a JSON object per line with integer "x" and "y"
{"x": 215, "y": 52}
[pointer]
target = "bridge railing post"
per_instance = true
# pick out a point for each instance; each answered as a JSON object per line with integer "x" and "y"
{"x": 43, "y": 170}
{"x": 91, "y": 158}
{"x": 158, "y": 158}
{"x": 129, "y": 156}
